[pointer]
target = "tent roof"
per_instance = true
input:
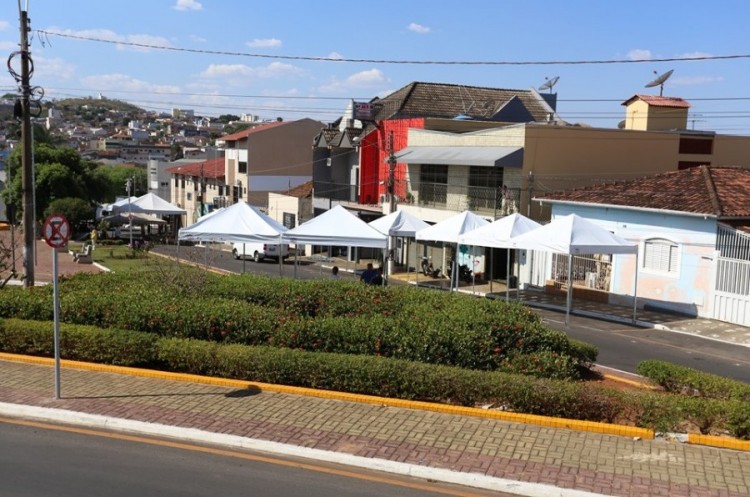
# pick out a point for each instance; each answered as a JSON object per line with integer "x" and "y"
{"x": 136, "y": 218}
{"x": 499, "y": 233}
{"x": 152, "y": 204}
{"x": 239, "y": 222}
{"x": 450, "y": 229}
{"x": 573, "y": 234}
{"x": 399, "y": 223}
{"x": 337, "y": 226}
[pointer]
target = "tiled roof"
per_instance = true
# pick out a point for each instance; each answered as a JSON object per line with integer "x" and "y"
{"x": 213, "y": 168}
{"x": 302, "y": 191}
{"x": 255, "y": 129}
{"x": 441, "y": 100}
{"x": 659, "y": 101}
{"x": 723, "y": 192}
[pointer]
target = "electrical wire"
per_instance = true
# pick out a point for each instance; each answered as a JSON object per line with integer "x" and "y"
{"x": 390, "y": 61}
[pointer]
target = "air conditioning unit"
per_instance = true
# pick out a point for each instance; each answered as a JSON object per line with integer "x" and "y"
{"x": 383, "y": 198}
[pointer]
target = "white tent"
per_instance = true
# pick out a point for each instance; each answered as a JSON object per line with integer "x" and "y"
{"x": 399, "y": 223}
{"x": 239, "y": 222}
{"x": 448, "y": 231}
{"x": 498, "y": 234}
{"x": 152, "y": 204}
{"x": 336, "y": 226}
{"x": 573, "y": 235}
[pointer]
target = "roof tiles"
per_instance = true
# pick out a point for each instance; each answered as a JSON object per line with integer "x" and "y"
{"x": 723, "y": 192}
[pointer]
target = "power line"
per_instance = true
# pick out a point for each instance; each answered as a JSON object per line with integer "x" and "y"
{"x": 389, "y": 61}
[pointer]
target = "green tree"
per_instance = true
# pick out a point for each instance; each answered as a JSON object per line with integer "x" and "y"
{"x": 76, "y": 210}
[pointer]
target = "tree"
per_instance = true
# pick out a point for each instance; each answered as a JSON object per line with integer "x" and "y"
{"x": 76, "y": 210}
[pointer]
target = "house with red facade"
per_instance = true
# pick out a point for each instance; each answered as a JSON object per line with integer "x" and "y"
{"x": 352, "y": 159}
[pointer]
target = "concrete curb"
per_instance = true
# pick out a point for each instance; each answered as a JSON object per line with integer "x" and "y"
{"x": 50, "y": 415}
{"x": 549, "y": 422}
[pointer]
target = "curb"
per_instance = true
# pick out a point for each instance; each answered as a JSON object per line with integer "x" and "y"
{"x": 533, "y": 419}
{"x": 192, "y": 435}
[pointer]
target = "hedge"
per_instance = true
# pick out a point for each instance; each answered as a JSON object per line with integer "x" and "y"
{"x": 685, "y": 380}
{"x": 334, "y": 317}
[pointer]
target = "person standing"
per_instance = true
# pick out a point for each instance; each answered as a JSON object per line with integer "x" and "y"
{"x": 94, "y": 237}
{"x": 368, "y": 274}
{"x": 335, "y": 273}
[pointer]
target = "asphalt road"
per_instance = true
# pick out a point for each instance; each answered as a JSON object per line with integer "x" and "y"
{"x": 621, "y": 347}
{"x": 41, "y": 460}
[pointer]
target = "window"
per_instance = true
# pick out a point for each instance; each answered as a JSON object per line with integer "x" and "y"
{"x": 242, "y": 167}
{"x": 433, "y": 187}
{"x": 189, "y": 196}
{"x": 661, "y": 255}
{"x": 689, "y": 145}
{"x": 290, "y": 220}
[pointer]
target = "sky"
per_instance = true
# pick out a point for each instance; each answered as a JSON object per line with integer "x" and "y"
{"x": 248, "y": 56}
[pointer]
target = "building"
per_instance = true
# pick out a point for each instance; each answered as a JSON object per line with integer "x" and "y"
{"x": 199, "y": 188}
{"x": 272, "y": 157}
{"x": 693, "y": 231}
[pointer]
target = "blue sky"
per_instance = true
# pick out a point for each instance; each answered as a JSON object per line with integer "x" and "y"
{"x": 231, "y": 81}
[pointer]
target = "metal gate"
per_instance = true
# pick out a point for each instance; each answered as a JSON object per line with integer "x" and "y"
{"x": 732, "y": 291}
{"x": 731, "y": 299}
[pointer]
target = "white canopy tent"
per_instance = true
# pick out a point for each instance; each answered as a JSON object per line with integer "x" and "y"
{"x": 449, "y": 230}
{"x": 239, "y": 222}
{"x": 574, "y": 235}
{"x": 498, "y": 234}
{"x": 336, "y": 226}
{"x": 399, "y": 224}
{"x": 153, "y": 204}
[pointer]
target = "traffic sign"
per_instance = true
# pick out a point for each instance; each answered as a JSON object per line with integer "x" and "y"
{"x": 56, "y": 231}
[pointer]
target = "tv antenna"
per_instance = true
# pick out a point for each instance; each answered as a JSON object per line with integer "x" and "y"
{"x": 549, "y": 83}
{"x": 659, "y": 81}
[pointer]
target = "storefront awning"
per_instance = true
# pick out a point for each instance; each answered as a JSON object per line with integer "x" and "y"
{"x": 463, "y": 156}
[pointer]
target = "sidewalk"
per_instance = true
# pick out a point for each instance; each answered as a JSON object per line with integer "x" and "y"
{"x": 522, "y": 459}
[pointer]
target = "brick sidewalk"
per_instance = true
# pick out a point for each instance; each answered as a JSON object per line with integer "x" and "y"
{"x": 603, "y": 464}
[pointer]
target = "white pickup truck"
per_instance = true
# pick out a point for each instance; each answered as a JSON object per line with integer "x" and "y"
{"x": 259, "y": 251}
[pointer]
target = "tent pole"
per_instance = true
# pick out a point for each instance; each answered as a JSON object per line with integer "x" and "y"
{"x": 507, "y": 276}
{"x": 492, "y": 267}
{"x": 570, "y": 291}
{"x": 177, "y": 253}
{"x": 244, "y": 261}
{"x": 635, "y": 289}
{"x": 281, "y": 258}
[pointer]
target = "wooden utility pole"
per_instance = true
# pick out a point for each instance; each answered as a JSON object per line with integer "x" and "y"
{"x": 27, "y": 172}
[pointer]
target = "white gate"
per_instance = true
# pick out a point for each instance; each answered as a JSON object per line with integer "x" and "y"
{"x": 732, "y": 291}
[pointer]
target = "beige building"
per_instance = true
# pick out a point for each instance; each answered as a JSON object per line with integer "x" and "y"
{"x": 457, "y": 171}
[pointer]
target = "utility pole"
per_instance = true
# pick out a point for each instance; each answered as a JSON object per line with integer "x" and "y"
{"x": 391, "y": 189}
{"x": 27, "y": 172}
{"x": 391, "y": 185}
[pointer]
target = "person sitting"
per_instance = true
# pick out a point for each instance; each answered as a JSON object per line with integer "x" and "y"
{"x": 335, "y": 273}
{"x": 368, "y": 274}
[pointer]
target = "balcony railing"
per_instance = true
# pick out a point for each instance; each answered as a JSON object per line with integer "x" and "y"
{"x": 485, "y": 200}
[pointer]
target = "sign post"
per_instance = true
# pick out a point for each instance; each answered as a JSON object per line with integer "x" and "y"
{"x": 56, "y": 232}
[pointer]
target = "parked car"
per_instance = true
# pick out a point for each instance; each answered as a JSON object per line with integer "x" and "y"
{"x": 260, "y": 251}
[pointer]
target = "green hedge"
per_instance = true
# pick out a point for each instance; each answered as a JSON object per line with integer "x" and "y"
{"x": 381, "y": 376}
{"x": 681, "y": 379}
{"x": 336, "y": 317}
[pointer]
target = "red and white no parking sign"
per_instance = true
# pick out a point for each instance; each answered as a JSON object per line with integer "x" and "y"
{"x": 56, "y": 231}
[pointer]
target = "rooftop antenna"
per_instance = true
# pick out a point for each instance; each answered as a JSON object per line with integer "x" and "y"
{"x": 549, "y": 83}
{"x": 659, "y": 81}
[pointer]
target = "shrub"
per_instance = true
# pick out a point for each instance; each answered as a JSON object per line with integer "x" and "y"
{"x": 681, "y": 379}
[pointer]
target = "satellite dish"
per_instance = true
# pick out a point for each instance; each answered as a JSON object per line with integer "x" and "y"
{"x": 659, "y": 81}
{"x": 549, "y": 83}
